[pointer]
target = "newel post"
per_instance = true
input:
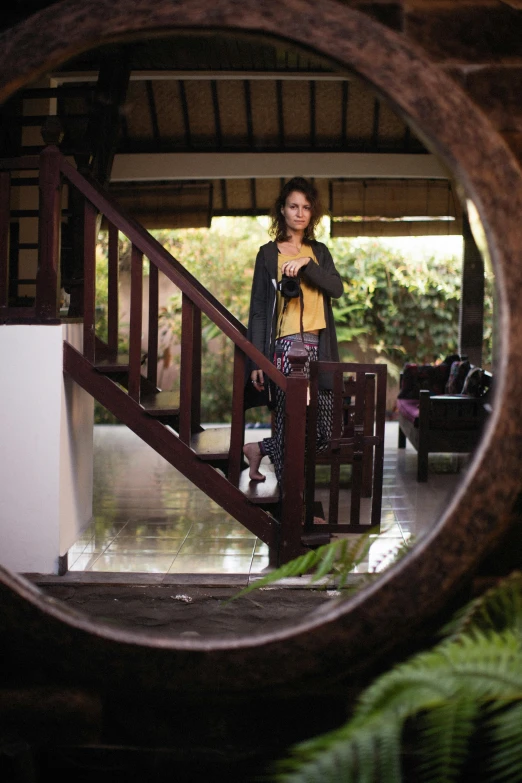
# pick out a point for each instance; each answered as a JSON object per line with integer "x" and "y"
{"x": 48, "y": 273}
{"x": 293, "y": 483}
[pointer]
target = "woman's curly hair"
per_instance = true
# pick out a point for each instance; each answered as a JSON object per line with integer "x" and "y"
{"x": 278, "y": 229}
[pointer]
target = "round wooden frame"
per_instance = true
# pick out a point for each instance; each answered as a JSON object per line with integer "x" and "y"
{"x": 324, "y": 647}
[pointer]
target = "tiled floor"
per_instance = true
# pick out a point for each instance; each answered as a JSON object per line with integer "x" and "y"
{"x": 148, "y": 518}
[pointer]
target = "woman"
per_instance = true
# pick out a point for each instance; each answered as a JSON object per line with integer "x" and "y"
{"x": 275, "y": 320}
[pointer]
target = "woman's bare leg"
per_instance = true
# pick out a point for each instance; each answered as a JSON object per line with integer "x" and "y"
{"x": 253, "y": 454}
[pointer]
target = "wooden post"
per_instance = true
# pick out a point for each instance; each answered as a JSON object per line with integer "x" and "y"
{"x": 196, "y": 371}
{"x": 136, "y": 311}
{"x": 89, "y": 288}
{"x": 186, "y": 369}
{"x": 5, "y": 202}
{"x": 152, "y": 349}
{"x": 294, "y": 460}
{"x": 237, "y": 430}
{"x": 471, "y": 318}
{"x": 49, "y": 225}
{"x": 112, "y": 290}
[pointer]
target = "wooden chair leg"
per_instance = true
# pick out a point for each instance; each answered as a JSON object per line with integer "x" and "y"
{"x": 422, "y": 465}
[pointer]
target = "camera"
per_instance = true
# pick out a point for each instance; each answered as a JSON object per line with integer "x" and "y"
{"x": 289, "y": 286}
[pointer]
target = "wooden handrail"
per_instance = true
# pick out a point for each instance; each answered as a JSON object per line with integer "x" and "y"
{"x": 170, "y": 267}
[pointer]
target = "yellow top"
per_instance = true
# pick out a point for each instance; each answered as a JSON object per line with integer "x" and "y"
{"x": 313, "y": 310}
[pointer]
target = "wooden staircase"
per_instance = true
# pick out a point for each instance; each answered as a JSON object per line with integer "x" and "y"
{"x": 127, "y": 385}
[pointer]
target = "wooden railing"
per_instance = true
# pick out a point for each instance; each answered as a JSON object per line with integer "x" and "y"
{"x": 55, "y": 171}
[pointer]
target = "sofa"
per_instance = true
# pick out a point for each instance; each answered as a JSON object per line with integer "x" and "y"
{"x": 442, "y": 408}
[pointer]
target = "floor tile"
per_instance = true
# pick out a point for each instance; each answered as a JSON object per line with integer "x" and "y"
{"x": 207, "y": 564}
{"x": 133, "y": 562}
{"x": 259, "y": 563}
{"x": 218, "y": 546}
{"x": 146, "y": 545}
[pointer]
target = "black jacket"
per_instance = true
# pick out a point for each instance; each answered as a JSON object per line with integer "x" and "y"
{"x": 262, "y": 319}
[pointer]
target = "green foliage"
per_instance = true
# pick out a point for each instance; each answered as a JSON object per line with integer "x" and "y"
{"x": 406, "y": 309}
{"x": 222, "y": 259}
{"x": 448, "y": 715}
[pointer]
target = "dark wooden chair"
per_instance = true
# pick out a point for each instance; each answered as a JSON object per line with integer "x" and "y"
{"x": 358, "y": 440}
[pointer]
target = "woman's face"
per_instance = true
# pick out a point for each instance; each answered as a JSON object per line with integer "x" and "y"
{"x": 297, "y": 211}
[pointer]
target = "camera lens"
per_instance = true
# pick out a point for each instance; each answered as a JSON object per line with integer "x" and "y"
{"x": 289, "y": 287}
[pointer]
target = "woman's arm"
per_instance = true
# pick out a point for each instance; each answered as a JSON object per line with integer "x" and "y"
{"x": 324, "y": 276}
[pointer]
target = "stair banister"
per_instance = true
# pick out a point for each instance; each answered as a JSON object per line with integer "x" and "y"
{"x": 5, "y": 202}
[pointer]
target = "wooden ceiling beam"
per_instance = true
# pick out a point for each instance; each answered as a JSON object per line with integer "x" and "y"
{"x": 245, "y": 165}
{"x": 172, "y": 75}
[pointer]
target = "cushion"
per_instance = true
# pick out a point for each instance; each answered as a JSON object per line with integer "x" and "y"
{"x": 474, "y": 385}
{"x": 457, "y": 376}
{"x": 415, "y": 377}
{"x": 409, "y": 409}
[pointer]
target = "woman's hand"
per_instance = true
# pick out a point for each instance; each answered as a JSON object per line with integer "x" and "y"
{"x": 257, "y": 379}
{"x": 293, "y": 267}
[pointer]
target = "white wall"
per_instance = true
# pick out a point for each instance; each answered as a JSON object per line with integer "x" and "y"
{"x": 46, "y": 449}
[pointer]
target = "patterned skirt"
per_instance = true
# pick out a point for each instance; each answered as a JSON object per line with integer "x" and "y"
{"x": 274, "y": 447}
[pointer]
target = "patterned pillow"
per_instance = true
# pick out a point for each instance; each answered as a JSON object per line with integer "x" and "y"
{"x": 457, "y": 376}
{"x": 474, "y": 385}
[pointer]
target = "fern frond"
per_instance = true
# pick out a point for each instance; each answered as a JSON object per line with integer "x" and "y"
{"x": 505, "y": 762}
{"x": 366, "y": 753}
{"x": 335, "y": 559}
{"x": 498, "y": 608}
{"x": 444, "y": 735}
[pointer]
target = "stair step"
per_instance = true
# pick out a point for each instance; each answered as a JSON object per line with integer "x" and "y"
{"x": 161, "y": 403}
{"x": 211, "y": 443}
{"x": 112, "y": 364}
{"x": 260, "y": 492}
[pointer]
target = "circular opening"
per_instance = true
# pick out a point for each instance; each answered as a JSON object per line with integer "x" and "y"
{"x": 453, "y": 128}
